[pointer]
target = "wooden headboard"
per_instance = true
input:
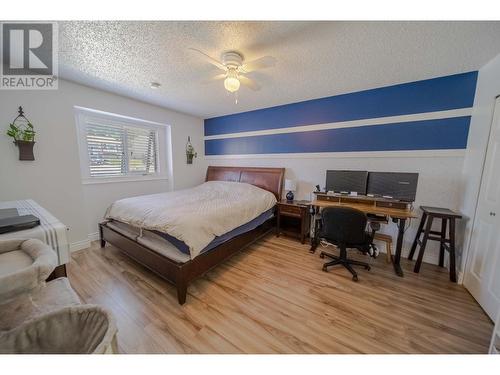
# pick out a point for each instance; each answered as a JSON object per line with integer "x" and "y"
{"x": 270, "y": 179}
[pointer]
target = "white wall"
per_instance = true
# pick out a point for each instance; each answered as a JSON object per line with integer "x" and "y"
{"x": 487, "y": 89}
{"x": 438, "y": 185}
{"x": 54, "y": 179}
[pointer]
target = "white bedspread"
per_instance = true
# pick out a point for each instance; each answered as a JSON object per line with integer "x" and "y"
{"x": 195, "y": 216}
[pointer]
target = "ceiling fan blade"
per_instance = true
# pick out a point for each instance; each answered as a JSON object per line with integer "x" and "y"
{"x": 245, "y": 81}
{"x": 218, "y": 77}
{"x": 210, "y": 59}
{"x": 262, "y": 63}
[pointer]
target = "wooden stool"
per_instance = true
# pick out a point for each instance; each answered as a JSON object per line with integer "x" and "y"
{"x": 388, "y": 244}
{"x": 446, "y": 215}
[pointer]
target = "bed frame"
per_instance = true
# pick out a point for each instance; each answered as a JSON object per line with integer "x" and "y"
{"x": 181, "y": 274}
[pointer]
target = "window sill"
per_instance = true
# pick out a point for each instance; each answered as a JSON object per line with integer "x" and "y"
{"x": 112, "y": 180}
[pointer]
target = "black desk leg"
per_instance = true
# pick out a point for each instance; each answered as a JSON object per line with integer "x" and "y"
{"x": 315, "y": 238}
{"x": 399, "y": 246}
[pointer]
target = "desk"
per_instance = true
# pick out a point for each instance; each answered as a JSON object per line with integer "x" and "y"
{"x": 397, "y": 215}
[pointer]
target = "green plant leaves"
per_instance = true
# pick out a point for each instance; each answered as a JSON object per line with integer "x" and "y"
{"x": 27, "y": 134}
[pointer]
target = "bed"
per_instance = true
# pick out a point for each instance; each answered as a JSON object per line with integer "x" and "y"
{"x": 172, "y": 265}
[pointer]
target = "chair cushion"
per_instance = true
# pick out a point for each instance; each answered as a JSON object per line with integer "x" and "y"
{"x": 14, "y": 261}
{"x": 54, "y": 295}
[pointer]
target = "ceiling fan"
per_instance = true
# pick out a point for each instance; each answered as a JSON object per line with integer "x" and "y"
{"x": 235, "y": 68}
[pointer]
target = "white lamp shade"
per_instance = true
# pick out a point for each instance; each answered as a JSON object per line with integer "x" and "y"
{"x": 232, "y": 84}
{"x": 290, "y": 185}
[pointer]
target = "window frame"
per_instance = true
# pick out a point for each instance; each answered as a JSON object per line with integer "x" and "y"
{"x": 162, "y": 133}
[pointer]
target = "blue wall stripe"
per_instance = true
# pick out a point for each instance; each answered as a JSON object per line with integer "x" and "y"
{"x": 437, "y": 94}
{"x": 449, "y": 133}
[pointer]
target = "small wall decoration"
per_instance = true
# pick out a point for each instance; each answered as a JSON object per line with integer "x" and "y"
{"x": 190, "y": 152}
{"x": 21, "y": 130}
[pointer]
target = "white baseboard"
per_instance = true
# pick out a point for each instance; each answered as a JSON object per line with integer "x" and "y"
{"x": 79, "y": 245}
{"x": 84, "y": 244}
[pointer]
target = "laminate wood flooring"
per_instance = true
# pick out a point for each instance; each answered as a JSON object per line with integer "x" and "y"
{"x": 273, "y": 298}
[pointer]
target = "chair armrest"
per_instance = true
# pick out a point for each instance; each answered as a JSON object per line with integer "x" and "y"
{"x": 45, "y": 259}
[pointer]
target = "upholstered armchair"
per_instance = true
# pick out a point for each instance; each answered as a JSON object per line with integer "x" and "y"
{"x": 46, "y": 317}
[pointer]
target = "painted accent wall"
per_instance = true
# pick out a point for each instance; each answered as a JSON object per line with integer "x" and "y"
{"x": 417, "y": 127}
{"x": 437, "y": 122}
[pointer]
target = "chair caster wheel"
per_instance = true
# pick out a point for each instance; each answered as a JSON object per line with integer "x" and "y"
{"x": 321, "y": 255}
{"x": 324, "y": 269}
{"x": 368, "y": 268}
{"x": 355, "y": 278}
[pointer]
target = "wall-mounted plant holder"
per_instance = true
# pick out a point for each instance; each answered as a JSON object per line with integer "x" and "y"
{"x": 25, "y": 150}
{"x": 190, "y": 152}
{"x": 23, "y": 133}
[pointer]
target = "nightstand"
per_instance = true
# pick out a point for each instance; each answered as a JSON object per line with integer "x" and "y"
{"x": 293, "y": 219}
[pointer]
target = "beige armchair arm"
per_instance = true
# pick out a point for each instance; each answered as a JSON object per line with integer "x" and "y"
{"x": 24, "y": 265}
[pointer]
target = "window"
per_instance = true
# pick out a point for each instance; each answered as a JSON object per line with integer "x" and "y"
{"x": 120, "y": 150}
{"x": 114, "y": 147}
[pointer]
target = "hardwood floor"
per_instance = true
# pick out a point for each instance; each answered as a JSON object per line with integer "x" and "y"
{"x": 274, "y": 298}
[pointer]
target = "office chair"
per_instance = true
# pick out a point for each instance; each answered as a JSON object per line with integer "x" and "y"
{"x": 344, "y": 227}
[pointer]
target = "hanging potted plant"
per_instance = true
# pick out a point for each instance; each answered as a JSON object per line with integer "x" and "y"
{"x": 190, "y": 153}
{"x": 21, "y": 130}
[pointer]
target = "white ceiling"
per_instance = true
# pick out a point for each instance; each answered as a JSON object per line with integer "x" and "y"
{"x": 314, "y": 59}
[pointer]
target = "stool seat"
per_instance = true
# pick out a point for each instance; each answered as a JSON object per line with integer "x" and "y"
{"x": 440, "y": 212}
{"x": 448, "y": 218}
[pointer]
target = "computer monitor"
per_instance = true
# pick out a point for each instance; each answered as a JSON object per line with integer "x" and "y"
{"x": 400, "y": 186}
{"x": 346, "y": 181}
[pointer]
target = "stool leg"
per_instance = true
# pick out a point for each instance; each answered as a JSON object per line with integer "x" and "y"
{"x": 389, "y": 252}
{"x": 444, "y": 220}
{"x": 422, "y": 247}
{"x": 453, "y": 274}
{"x": 419, "y": 231}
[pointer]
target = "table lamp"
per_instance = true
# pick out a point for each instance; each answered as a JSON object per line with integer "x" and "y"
{"x": 290, "y": 186}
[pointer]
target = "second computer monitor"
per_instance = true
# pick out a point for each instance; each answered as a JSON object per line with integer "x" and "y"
{"x": 346, "y": 181}
{"x": 401, "y": 186}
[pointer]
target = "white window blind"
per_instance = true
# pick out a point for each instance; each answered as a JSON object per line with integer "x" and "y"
{"x": 116, "y": 150}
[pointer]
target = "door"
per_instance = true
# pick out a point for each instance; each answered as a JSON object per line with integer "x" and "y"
{"x": 482, "y": 277}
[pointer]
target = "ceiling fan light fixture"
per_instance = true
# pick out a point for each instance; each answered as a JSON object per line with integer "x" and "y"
{"x": 234, "y": 68}
{"x": 232, "y": 84}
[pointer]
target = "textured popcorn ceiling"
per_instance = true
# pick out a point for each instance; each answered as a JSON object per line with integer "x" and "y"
{"x": 314, "y": 59}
